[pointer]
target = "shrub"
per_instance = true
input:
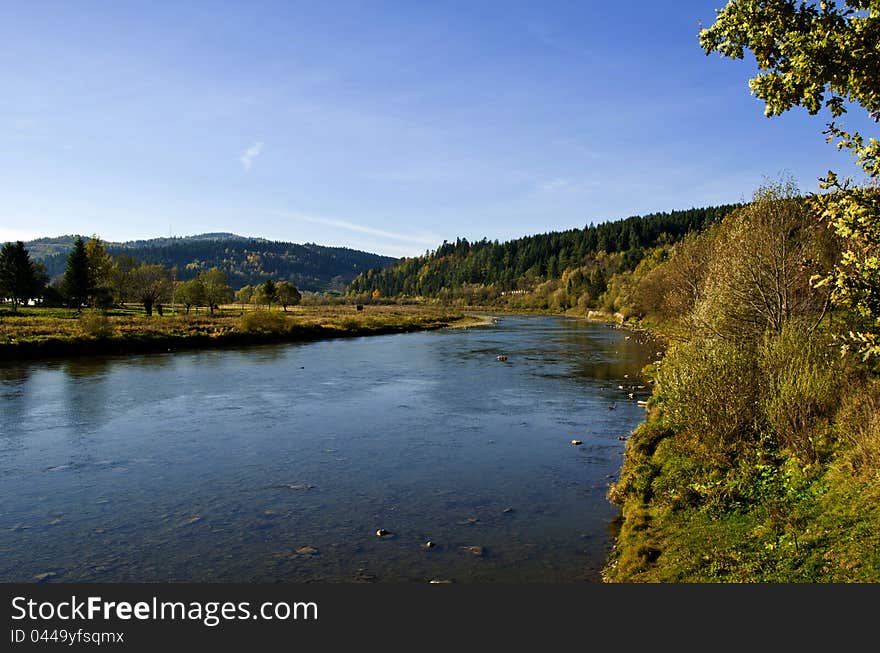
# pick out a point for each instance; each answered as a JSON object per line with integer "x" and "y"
{"x": 801, "y": 377}
{"x": 709, "y": 389}
{"x": 262, "y": 321}
{"x": 858, "y": 424}
{"x": 95, "y": 324}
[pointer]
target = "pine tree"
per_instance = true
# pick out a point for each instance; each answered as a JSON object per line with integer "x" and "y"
{"x": 78, "y": 284}
{"x": 20, "y": 278}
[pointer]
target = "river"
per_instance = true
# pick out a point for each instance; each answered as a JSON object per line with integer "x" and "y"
{"x": 280, "y": 463}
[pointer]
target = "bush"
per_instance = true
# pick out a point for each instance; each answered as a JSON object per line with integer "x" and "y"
{"x": 709, "y": 389}
{"x": 262, "y": 321}
{"x": 801, "y": 381}
{"x": 95, "y": 324}
{"x": 858, "y": 424}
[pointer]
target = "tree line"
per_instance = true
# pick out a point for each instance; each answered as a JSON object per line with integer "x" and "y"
{"x": 94, "y": 278}
{"x": 485, "y": 270}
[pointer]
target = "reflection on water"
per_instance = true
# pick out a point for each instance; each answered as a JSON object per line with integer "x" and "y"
{"x": 224, "y": 465}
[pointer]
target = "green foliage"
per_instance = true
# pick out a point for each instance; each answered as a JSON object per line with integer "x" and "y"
{"x": 79, "y": 283}
{"x": 809, "y": 54}
{"x": 190, "y": 293}
{"x": 215, "y": 288}
{"x": 287, "y": 294}
{"x": 244, "y": 261}
{"x": 854, "y": 214}
{"x": 20, "y": 278}
{"x": 245, "y": 294}
{"x": 857, "y": 424}
{"x": 100, "y": 271}
{"x": 819, "y": 56}
{"x": 592, "y": 254}
{"x": 801, "y": 380}
{"x": 759, "y": 267}
{"x": 709, "y": 390}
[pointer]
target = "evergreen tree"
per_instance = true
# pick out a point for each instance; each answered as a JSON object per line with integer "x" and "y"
{"x": 78, "y": 283}
{"x": 20, "y": 278}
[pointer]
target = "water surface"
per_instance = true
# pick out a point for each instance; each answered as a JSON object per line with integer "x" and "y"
{"x": 219, "y": 465}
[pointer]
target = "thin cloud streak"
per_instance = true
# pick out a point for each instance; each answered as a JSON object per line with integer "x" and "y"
{"x": 250, "y": 155}
{"x": 423, "y": 239}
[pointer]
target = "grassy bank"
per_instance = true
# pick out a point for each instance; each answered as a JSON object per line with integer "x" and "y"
{"x": 39, "y": 333}
{"x": 756, "y": 463}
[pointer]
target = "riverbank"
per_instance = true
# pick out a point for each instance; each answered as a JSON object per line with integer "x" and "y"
{"x": 752, "y": 469}
{"x": 51, "y": 333}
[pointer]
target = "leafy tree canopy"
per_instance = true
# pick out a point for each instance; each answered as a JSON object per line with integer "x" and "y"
{"x": 816, "y": 55}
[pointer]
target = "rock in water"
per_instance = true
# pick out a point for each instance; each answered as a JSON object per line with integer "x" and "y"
{"x": 307, "y": 550}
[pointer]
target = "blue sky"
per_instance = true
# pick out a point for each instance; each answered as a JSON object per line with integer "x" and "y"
{"x": 383, "y": 126}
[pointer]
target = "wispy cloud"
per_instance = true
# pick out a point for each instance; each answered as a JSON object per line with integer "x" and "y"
{"x": 417, "y": 238}
{"x": 555, "y": 185}
{"x": 250, "y": 155}
{"x": 567, "y": 186}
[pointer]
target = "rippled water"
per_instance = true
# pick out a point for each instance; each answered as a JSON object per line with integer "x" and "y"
{"x": 219, "y": 465}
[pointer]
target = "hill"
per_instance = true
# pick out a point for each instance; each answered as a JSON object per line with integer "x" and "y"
{"x": 597, "y": 251}
{"x": 245, "y": 260}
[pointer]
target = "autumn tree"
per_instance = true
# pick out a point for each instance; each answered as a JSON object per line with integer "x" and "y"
{"x": 21, "y": 279}
{"x": 823, "y": 56}
{"x": 150, "y": 285}
{"x": 267, "y": 293}
{"x": 190, "y": 293}
{"x": 758, "y": 274}
{"x": 100, "y": 271}
{"x": 287, "y": 294}
{"x": 216, "y": 288}
{"x": 244, "y": 295}
{"x": 122, "y": 277}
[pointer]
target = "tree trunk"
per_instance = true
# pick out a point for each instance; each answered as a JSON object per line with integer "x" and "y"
{"x": 148, "y": 307}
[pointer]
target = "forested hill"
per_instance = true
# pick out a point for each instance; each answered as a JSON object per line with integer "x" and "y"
{"x": 521, "y": 264}
{"x": 245, "y": 260}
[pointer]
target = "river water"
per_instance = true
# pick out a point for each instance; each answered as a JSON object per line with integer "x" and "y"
{"x": 279, "y": 463}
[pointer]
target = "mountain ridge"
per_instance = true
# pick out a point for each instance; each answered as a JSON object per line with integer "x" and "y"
{"x": 245, "y": 259}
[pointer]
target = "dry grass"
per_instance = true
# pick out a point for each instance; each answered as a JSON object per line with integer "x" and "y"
{"x": 60, "y": 327}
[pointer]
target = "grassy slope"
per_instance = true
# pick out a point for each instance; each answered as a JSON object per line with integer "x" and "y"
{"x": 791, "y": 523}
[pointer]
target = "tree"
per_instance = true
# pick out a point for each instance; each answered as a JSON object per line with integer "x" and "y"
{"x": 190, "y": 293}
{"x": 216, "y": 288}
{"x": 758, "y": 274}
{"x": 78, "y": 283}
{"x": 823, "y": 55}
{"x": 267, "y": 293}
{"x": 287, "y": 294}
{"x": 20, "y": 278}
{"x": 121, "y": 277}
{"x": 245, "y": 295}
{"x": 101, "y": 271}
{"x": 150, "y": 285}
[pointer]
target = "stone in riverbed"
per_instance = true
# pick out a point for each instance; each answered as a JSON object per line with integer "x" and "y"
{"x": 307, "y": 550}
